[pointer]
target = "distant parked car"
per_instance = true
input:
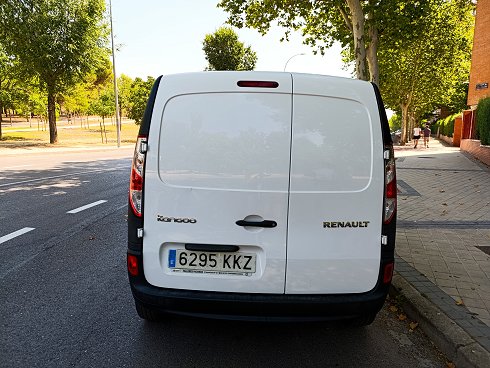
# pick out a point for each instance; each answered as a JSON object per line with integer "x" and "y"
{"x": 396, "y": 136}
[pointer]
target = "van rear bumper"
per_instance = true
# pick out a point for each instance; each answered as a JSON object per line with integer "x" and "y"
{"x": 259, "y": 307}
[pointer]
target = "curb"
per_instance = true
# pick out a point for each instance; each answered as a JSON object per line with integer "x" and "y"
{"x": 458, "y": 346}
{"x": 4, "y": 151}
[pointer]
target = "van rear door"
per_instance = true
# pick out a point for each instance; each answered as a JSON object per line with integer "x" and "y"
{"x": 336, "y": 193}
{"x": 216, "y": 183}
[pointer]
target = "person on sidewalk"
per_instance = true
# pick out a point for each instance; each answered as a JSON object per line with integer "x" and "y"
{"x": 416, "y": 136}
{"x": 426, "y": 135}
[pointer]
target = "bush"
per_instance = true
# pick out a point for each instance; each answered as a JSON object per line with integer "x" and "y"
{"x": 483, "y": 121}
{"x": 395, "y": 122}
{"x": 446, "y": 125}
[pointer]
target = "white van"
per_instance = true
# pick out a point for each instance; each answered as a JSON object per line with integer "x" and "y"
{"x": 262, "y": 196}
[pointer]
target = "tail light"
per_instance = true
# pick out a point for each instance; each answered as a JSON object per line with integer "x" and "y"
{"x": 390, "y": 185}
{"x": 258, "y": 84}
{"x": 133, "y": 265}
{"x": 137, "y": 177}
{"x": 388, "y": 272}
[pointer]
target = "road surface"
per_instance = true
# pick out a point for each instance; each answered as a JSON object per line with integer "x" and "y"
{"x": 66, "y": 302}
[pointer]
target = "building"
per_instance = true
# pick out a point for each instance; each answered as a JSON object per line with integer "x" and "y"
{"x": 479, "y": 83}
{"x": 480, "y": 57}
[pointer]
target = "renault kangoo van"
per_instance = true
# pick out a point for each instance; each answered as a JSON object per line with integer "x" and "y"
{"x": 262, "y": 196}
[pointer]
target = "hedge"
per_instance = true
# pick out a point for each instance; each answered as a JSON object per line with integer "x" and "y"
{"x": 446, "y": 125}
{"x": 483, "y": 121}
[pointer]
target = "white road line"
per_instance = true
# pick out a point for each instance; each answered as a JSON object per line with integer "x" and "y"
{"x": 79, "y": 209}
{"x": 15, "y": 234}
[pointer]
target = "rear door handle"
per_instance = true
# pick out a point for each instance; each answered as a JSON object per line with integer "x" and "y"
{"x": 265, "y": 223}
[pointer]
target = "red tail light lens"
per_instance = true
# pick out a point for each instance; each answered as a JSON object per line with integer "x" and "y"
{"x": 390, "y": 185}
{"x": 136, "y": 181}
{"x": 133, "y": 265}
{"x": 388, "y": 273}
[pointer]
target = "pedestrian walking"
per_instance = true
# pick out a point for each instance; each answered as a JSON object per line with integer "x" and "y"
{"x": 416, "y": 136}
{"x": 426, "y": 135}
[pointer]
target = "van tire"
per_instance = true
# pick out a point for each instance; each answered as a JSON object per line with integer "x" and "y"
{"x": 363, "y": 320}
{"x": 147, "y": 313}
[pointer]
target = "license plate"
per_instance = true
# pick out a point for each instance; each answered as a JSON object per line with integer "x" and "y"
{"x": 181, "y": 260}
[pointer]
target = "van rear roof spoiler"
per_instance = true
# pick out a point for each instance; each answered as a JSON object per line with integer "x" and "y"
{"x": 385, "y": 127}
{"x": 145, "y": 122}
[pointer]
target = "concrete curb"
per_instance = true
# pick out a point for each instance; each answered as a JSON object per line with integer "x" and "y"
{"x": 451, "y": 339}
{"x": 4, "y": 151}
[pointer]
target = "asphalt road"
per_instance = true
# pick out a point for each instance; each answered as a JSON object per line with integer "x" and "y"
{"x": 65, "y": 300}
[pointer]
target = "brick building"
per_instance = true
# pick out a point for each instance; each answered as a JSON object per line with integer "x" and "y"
{"x": 479, "y": 86}
{"x": 480, "y": 58}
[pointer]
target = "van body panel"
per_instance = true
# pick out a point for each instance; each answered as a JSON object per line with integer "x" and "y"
{"x": 219, "y": 154}
{"x": 336, "y": 192}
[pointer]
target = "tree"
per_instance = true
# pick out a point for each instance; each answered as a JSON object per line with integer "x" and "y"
{"x": 373, "y": 29}
{"x": 138, "y": 97}
{"x": 359, "y": 25}
{"x": 77, "y": 99}
{"x": 103, "y": 106}
{"x": 9, "y": 82}
{"x": 424, "y": 71}
{"x": 124, "y": 89}
{"x": 224, "y": 51}
{"x": 395, "y": 122}
{"x": 58, "y": 41}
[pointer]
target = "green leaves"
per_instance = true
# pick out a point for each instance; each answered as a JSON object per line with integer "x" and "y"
{"x": 224, "y": 51}
{"x": 427, "y": 67}
{"x": 138, "y": 97}
{"x": 57, "y": 41}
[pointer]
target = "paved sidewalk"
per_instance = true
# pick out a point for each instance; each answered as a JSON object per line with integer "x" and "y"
{"x": 443, "y": 234}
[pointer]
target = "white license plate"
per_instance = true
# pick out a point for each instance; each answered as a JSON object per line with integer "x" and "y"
{"x": 212, "y": 262}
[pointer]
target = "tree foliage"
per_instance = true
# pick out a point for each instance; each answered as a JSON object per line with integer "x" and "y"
{"x": 395, "y": 122}
{"x": 419, "y": 49}
{"x": 104, "y": 105}
{"x": 421, "y": 72}
{"x": 124, "y": 89}
{"x": 57, "y": 41}
{"x": 138, "y": 97}
{"x": 358, "y": 25}
{"x": 224, "y": 51}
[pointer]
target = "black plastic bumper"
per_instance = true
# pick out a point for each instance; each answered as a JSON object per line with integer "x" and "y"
{"x": 250, "y": 306}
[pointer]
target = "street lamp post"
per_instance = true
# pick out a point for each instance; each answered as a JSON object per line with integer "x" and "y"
{"x": 118, "y": 122}
{"x": 285, "y": 65}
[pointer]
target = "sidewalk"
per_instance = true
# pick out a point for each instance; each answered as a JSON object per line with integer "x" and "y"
{"x": 443, "y": 247}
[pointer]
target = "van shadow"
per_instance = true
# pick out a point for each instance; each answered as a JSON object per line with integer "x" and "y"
{"x": 189, "y": 342}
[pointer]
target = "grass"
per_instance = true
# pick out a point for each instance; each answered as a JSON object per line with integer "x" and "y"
{"x": 68, "y": 135}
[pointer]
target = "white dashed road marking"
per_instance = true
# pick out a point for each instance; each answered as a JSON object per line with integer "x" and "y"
{"x": 15, "y": 234}
{"x": 90, "y": 205}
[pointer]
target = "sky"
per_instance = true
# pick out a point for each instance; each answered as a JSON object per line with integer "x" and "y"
{"x": 157, "y": 37}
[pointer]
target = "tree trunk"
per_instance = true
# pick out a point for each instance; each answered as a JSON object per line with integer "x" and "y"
{"x": 53, "y": 132}
{"x": 358, "y": 34}
{"x": 411, "y": 124}
{"x": 405, "y": 133}
{"x": 105, "y": 131}
{"x": 1, "y": 112}
{"x": 101, "y": 133}
{"x": 372, "y": 55}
